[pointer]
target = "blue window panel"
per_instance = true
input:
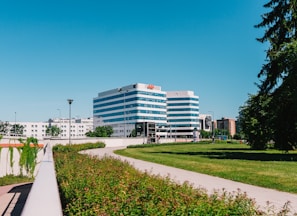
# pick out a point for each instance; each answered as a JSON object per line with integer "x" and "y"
{"x": 129, "y": 100}
{"x": 182, "y": 104}
{"x": 128, "y": 106}
{"x": 128, "y": 94}
{"x": 183, "y": 109}
{"x": 179, "y": 99}
{"x": 143, "y": 118}
{"x": 182, "y": 120}
{"x": 182, "y": 115}
{"x": 131, "y": 112}
{"x": 184, "y": 125}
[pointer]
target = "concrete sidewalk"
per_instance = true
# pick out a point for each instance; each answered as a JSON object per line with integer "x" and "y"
{"x": 13, "y": 198}
{"x": 262, "y": 196}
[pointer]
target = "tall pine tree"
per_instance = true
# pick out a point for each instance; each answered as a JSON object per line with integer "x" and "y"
{"x": 279, "y": 75}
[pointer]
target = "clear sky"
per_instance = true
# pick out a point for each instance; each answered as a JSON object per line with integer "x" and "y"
{"x": 54, "y": 50}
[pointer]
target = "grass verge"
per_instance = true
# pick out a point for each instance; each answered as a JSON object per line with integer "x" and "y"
{"x": 269, "y": 168}
{"x": 11, "y": 179}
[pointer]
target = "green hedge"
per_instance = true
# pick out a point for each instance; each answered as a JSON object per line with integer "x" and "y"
{"x": 77, "y": 147}
{"x": 109, "y": 186}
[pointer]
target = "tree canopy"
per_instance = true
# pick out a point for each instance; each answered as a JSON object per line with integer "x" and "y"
{"x": 4, "y": 127}
{"x": 101, "y": 131}
{"x": 271, "y": 114}
{"x": 17, "y": 129}
{"x": 53, "y": 130}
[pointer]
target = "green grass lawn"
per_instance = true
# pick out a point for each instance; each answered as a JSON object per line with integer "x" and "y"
{"x": 268, "y": 168}
{"x": 11, "y": 179}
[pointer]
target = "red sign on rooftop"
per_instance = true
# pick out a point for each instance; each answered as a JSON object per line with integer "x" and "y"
{"x": 150, "y": 86}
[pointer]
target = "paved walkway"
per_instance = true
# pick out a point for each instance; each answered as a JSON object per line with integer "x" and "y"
{"x": 261, "y": 195}
{"x": 13, "y": 198}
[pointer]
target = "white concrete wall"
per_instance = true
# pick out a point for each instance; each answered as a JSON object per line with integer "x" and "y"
{"x": 109, "y": 142}
{"x": 5, "y": 166}
{"x": 6, "y": 169}
{"x": 114, "y": 142}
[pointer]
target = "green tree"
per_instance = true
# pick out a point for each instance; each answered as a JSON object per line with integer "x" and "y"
{"x": 254, "y": 121}
{"x": 101, "y": 131}
{"x": 17, "y": 129}
{"x": 53, "y": 130}
{"x": 133, "y": 133}
{"x": 205, "y": 134}
{"x": 277, "y": 96}
{"x": 90, "y": 134}
{"x": 4, "y": 127}
{"x": 109, "y": 130}
{"x": 285, "y": 101}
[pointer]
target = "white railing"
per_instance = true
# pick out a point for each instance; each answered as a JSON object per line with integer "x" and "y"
{"x": 44, "y": 198}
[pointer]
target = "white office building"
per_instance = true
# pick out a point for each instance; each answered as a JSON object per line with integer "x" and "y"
{"x": 182, "y": 113}
{"x": 174, "y": 113}
{"x": 123, "y": 107}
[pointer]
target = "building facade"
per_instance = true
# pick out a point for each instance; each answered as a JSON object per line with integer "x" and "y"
{"x": 227, "y": 124}
{"x": 182, "y": 113}
{"x": 175, "y": 114}
{"x": 78, "y": 129}
{"x": 206, "y": 122}
{"x": 122, "y": 108}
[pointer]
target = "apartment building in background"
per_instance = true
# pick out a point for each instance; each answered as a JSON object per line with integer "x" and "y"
{"x": 228, "y": 124}
{"x": 78, "y": 128}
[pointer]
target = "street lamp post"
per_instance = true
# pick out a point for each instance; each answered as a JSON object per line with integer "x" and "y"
{"x": 125, "y": 114}
{"x": 15, "y": 123}
{"x": 59, "y": 120}
{"x": 70, "y": 102}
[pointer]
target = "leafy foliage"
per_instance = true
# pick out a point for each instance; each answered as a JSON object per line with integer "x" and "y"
{"x": 254, "y": 121}
{"x": 133, "y": 133}
{"x": 108, "y": 186}
{"x": 28, "y": 155}
{"x": 12, "y": 179}
{"x": 277, "y": 97}
{"x": 101, "y": 131}
{"x": 4, "y": 127}
{"x": 205, "y": 134}
{"x": 53, "y": 130}
{"x": 17, "y": 129}
{"x": 77, "y": 148}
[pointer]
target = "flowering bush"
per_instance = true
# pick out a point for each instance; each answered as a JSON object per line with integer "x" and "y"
{"x": 108, "y": 186}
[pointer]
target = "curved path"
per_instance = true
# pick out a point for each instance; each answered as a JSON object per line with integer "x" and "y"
{"x": 262, "y": 196}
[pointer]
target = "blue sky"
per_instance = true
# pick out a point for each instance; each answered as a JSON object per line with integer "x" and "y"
{"x": 54, "y": 50}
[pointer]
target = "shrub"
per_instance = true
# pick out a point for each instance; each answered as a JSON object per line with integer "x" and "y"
{"x": 109, "y": 186}
{"x": 77, "y": 147}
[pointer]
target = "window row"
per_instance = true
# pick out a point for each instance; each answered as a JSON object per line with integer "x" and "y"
{"x": 125, "y": 94}
{"x": 123, "y": 101}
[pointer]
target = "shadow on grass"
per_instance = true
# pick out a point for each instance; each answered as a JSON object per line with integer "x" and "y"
{"x": 240, "y": 155}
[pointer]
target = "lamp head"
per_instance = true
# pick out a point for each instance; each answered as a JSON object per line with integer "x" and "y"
{"x": 70, "y": 101}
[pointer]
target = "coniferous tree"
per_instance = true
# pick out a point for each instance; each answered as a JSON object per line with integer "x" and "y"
{"x": 279, "y": 75}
